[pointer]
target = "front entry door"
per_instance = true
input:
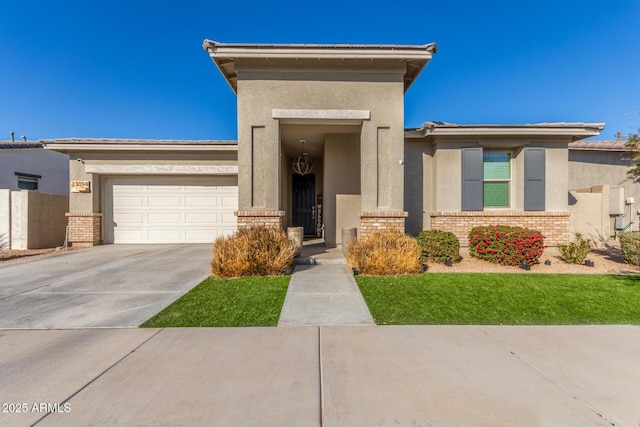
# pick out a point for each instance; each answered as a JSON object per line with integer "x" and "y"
{"x": 304, "y": 196}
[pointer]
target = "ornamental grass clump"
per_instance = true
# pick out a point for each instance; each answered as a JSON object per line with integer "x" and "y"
{"x": 505, "y": 245}
{"x": 438, "y": 245}
{"x": 630, "y": 246}
{"x": 257, "y": 251}
{"x": 385, "y": 253}
{"x": 575, "y": 252}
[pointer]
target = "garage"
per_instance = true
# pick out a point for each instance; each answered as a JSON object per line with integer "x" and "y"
{"x": 170, "y": 209}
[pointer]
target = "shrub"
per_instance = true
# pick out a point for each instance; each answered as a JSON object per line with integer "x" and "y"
{"x": 255, "y": 251}
{"x": 506, "y": 245}
{"x": 385, "y": 253}
{"x": 575, "y": 252}
{"x": 438, "y": 245}
{"x": 630, "y": 245}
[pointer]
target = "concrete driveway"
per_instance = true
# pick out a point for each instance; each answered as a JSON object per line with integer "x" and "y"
{"x": 105, "y": 286}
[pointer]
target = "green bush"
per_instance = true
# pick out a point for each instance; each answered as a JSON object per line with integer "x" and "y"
{"x": 575, "y": 252}
{"x": 505, "y": 245}
{"x": 385, "y": 253}
{"x": 257, "y": 251}
{"x": 630, "y": 245}
{"x": 438, "y": 245}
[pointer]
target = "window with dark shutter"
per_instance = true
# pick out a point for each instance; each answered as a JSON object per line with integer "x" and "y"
{"x": 534, "y": 179}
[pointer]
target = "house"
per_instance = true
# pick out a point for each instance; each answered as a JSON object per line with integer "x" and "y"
{"x": 34, "y": 188}
{"x": 322, "y": 145}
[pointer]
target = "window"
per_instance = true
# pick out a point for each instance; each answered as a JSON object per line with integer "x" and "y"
{"x": 486, "y": 179}
{"x": 496, "y": 167}
{"x": 27, "y": 181}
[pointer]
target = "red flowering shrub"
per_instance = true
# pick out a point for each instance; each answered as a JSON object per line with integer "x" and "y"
{"x": 505, "y": 245}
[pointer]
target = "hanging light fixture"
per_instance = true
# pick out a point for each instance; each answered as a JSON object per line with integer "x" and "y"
{"x": 302, "y": 164}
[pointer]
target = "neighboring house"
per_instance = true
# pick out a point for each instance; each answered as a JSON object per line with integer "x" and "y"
{"x": 598, "y": 174}
{"x": 34, "y": 188}
{"x": 26, "y": 165}
{"x": 343, "y": 107}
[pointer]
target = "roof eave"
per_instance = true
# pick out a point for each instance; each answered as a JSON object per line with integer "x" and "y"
{"x": 586, "y": 130}
{"x": 416, "y": 55}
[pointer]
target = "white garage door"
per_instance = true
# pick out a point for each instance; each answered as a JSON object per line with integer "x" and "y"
{"x": 171, "y": 209}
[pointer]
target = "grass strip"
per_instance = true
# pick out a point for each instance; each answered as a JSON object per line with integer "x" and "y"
{"x": 247, "y": 301}
{"x": 502, "y": 299}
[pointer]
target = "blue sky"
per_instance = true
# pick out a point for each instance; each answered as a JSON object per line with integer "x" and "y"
{"x": 136, "y": 69}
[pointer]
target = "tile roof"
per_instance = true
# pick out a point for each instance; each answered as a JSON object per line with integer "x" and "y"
{"x": 127, "y": 141}
{"x": 598, "y": 145}
{"x": 435, "y": 124}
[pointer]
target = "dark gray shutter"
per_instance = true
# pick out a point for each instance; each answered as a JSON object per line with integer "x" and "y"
{"x": 472, "y": 176}
{"x": 534, "y": 175}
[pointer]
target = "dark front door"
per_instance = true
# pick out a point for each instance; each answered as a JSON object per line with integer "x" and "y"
{"x": 304, "y": 197}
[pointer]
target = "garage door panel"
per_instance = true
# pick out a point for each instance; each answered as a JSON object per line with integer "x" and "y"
{"x": 163, "y": 201}
{"x": 201, "y": 201}
{"x": 128, "y": 218}
{"x": 164, "y": 218}
{"x": 201, "y": 218}
{"x": 229, "y": 201}
{"x": 128, "y": 201}
{"x": 172, "y": 209}
{"x": 163, "y": 235}
{"x": 128, "y": 235}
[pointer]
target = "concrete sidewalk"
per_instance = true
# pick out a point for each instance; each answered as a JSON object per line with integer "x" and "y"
{"x": 322, "y": 292}
{"x": 330, "y": 376}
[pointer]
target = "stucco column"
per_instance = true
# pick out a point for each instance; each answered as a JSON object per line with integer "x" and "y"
{"x": 382, "y": 173}
{"x": 259, "y": 175}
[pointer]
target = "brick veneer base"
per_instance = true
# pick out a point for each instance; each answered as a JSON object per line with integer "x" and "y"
{"x": 372, "y": 221}
{"x": 85, "y": 228}
{"x": 269, "y": 219}
{"x": 553, "y": 225}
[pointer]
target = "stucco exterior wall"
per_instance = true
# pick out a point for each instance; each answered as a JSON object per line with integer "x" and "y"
{"x": 33, "y": 220}
{"x": 593, "y": 168}
{"x": 341, "y": 177}
{"x": 80, "y": 162}
{"x": 590, "y": 214}
{"x": 51, "y": 166}
{"x": 334, "y": 87}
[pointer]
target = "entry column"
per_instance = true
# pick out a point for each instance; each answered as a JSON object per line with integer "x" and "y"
{"x": 259, "y": 176}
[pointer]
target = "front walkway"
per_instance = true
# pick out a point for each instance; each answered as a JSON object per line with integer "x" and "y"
{"x": 322, "y": 291}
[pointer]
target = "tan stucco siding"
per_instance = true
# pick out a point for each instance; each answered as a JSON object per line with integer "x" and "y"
{"x": 81, "y": 161}
{"x": 557, "y": 178}
{"x": 259, "y": 93}
{"x": 341, "y": 176}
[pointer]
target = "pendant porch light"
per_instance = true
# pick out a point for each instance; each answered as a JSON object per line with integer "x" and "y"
{"x": 302, "y": 164}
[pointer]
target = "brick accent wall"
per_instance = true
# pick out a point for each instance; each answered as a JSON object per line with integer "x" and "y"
{"x": 269, "y": 219}
{"x": 372, "y": 221}
{"x": 553, "y": 225}
{"x": 85, "y": 228}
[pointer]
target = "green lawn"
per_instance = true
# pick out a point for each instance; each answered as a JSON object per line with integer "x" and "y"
{"x": 502, "y": 299}
{"x": 250, "y": 301}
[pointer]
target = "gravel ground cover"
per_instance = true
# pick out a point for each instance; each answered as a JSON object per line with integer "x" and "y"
{"x": 606, "y": 261}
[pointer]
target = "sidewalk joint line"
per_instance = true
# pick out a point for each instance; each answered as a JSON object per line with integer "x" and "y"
{"x": 117, "y": 362}
{"x": 321, "y": 373}
{"x": 552, "y": 381}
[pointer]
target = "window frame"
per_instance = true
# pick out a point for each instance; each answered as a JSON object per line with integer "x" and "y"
{"x": 508, "y": 181}
{"x": 27, "y": 178}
